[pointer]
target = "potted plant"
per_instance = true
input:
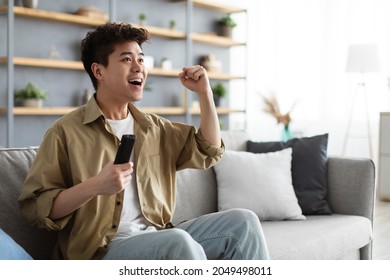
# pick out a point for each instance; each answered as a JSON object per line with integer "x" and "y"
{"x": 32, "y": 4}
{"x": 219, "y": 91}
{"x": 226, "y": 25}
{"x": 172, "y": 24}
{"x": 166, "y": 64}
{"x": 142, "y": 19}
{"x": 30, "y": 96}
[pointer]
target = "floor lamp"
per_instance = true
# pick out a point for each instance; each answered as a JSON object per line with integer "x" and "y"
{"x": 362, "y": 58}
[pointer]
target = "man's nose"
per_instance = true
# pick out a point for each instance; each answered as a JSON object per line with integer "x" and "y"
{"x": 136, "y": 66}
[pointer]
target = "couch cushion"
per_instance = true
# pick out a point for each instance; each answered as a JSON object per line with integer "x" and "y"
{"x": 197, "y": 189}
{"x": 15, "y": 164}
{"x": 258, "y": 182}
{"x": 308, "y": 170}
{"x": 196, "y": 194}
{"x": 235, "y": 139}
{"x": 319, "y": 237}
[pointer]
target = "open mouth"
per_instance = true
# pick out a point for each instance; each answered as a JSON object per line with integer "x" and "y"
{"x": 136, "y": 82}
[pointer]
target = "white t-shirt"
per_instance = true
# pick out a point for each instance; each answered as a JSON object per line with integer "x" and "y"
{"x": 132, "y": 221}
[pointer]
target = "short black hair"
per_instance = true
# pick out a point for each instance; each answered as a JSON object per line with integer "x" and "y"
{"x": 100, "y": 43}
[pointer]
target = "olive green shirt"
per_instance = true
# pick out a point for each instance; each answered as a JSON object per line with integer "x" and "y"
{"x": 79, "y": 145}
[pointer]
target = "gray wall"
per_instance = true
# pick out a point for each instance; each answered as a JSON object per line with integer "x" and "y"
{"x": 36, "y": 38}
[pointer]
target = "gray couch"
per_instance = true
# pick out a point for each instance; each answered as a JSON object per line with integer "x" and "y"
{"x": 346, "y": 234}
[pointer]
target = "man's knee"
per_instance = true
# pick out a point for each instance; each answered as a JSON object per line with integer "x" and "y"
{"x": 243, "y": 217}
{"x": 183, "y": 246}
{"x": 249, "y": 232}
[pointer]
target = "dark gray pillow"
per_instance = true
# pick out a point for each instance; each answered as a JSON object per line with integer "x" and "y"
{"x": 308, "y": 170}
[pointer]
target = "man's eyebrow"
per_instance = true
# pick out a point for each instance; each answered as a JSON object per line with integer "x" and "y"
{"x": 130, "y": 53}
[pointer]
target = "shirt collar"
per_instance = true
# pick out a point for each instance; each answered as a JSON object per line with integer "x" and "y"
{"x": 93, "y": 112}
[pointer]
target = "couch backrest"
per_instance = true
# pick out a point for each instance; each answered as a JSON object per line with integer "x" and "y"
{"x": 14, "y": 165}
{"x": 197, "y": 195}
{"x": 197, "y": 189}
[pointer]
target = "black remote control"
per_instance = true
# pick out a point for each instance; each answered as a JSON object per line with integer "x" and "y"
{"x": 124, "y": 150}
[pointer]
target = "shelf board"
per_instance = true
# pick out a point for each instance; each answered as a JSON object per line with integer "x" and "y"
{"x": 73, "y": 65}
{"x": 163, "y": 110}
{"x": 220, "y": 111}
{"x": 55, "y": 16}
{"x": 45, "y": 63}
{"x": 83, "y": 20}
{"x": 175, "y": 73}
{"x": 216, "y": 6}
{"x": 163, "y": 72}
{"x": 163, "y": 32}
{"x": 44, "y": 111}
{"x": 224, "y": 76}
{"x": 53, "y": 111}
{"x": 212, "y": 39}
{"x": 77, "y": 65}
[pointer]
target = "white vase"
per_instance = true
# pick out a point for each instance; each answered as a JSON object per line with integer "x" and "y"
{"x": 32, "y": 102}
{"x": 30, "y": 4}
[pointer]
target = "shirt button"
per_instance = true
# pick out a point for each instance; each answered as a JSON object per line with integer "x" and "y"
{"x": 114, "y": 226}
{"x": 118, "y": 203}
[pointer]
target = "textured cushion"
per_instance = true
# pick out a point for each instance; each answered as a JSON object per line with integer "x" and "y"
{"x": 309, "y": 176}
{"x": 15, "y": 164}
{"x": 258, "y": 182}
{"x": 319, "y": 237}
{"x": 196, "y": 194}
{"x": 235, "y": 139}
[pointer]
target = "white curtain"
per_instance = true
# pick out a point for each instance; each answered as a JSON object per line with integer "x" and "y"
{"x": 297, "y": 50}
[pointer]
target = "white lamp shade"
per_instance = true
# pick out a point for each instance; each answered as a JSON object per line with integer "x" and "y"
{"x": 363, "y": 58}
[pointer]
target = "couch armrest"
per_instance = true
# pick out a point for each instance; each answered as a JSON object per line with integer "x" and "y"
{"x": 351, "y": 186}
{"x": 351, "y": 190}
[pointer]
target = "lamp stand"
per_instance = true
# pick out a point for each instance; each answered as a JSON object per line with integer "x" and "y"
{"x": 361, "y": 87}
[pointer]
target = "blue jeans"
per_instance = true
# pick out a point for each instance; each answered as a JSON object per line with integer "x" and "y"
{"x": 234, "y": 234}
{"x": 10, "y": 250}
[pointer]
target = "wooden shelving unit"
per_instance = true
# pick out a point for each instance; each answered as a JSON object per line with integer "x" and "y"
{"x": 44, "y": 111}
{"x": 77, "y": 65}
{"x": 215, "y": 6}
{"x": 163, "y": 72}
{"x": 220, "y": 111}
{"x": 67, "y": 18}
{"x": 163, "y": 32}
{"x": 54, "y": 16}
{"x": 223, "y": 76}
{"x": 206, "y": 38}
{"x": 44, "y": 63}
{"x": 212, "y": 39}
{"x": 54, "y": 111}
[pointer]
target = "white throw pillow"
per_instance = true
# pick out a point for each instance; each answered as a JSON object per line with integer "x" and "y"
{"x": 258, "y": 182}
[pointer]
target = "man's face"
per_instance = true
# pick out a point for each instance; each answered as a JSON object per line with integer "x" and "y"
{"x": 125, "y": 75}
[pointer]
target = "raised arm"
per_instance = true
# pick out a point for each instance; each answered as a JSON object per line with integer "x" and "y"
{"x": 195, "y": 79}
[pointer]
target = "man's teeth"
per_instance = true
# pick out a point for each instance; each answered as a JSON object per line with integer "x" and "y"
{"x": 135, "y": 81}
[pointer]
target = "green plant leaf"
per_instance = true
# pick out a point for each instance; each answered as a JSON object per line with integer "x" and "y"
{"x": 30, "y": 91}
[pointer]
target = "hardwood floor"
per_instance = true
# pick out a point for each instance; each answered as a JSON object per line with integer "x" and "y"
{"x": 381, "y": 243}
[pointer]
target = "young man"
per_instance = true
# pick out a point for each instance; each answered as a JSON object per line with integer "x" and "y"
{"x": 124, "y": 211}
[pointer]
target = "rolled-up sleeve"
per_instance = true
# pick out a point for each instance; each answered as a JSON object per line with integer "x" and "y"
{"x": 209, "y": 149}
{"x": 197, "y": 152}
{"x": 45, "y": 180}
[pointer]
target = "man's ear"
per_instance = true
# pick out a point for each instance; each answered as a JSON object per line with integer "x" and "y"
{"x": 96, "y": 70}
